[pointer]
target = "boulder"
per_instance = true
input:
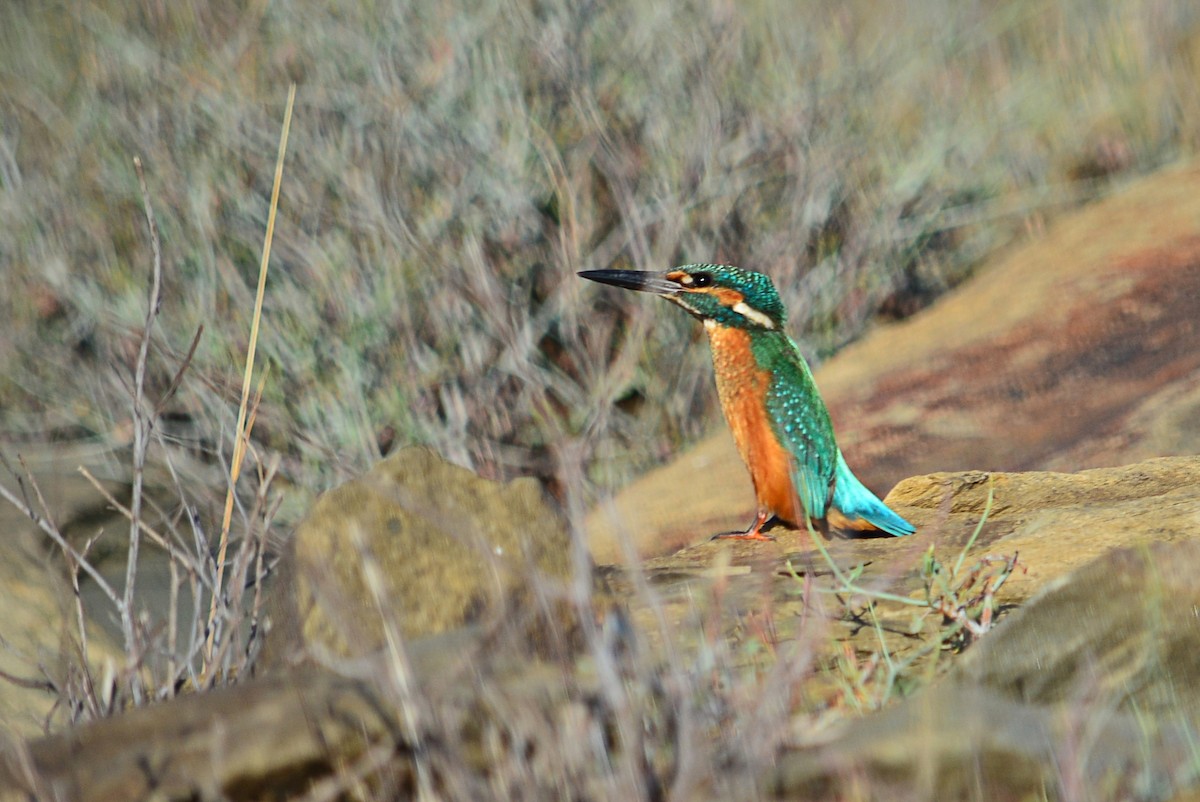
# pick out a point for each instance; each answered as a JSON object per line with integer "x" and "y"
{"x": 38, "y": 629}
{"x": 423, "y": 545}
{"x": 956, "y": 741}
{"x": 259, "y": 740}
{"x": 1057, "y": 522}
{"x": 1092, "y": 690}
{"x": 38, "y": 626}
{"x": 1120, "y": 634}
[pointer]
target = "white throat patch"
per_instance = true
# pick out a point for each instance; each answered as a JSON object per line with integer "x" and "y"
{"x": 753, "y": 315}
{"x": 678, "y": 301}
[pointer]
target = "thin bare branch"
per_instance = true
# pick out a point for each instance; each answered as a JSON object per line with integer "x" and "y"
{"x": 178, "y": 378}
{"x": 50, "y": 529}
{"x": 143, "y": 421}
{"x": 176, "y": 553}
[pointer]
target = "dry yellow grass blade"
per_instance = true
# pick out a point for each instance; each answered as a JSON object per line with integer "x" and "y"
{"x": 242, "y": 430}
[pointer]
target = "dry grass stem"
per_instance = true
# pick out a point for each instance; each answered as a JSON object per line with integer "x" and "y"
{"x": 241, "y": 430}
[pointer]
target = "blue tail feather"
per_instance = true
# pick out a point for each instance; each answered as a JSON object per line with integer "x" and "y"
{"x": 854, "y": 500}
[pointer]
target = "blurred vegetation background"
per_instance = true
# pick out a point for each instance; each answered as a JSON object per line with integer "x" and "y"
{"x": 452, "y": 164}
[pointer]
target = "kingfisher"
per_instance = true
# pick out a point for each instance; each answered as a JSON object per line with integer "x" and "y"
{"x": 779, "y": 422}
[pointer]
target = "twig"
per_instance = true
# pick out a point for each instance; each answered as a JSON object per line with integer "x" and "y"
{"x": 231, "y": 600}
{"x": 172, "y": 631}
{"x": 174, "y": 551}
{"x": 62, "y": 543}
{"x": 142, "y": 423}
{"x": 183, "y": 366}
{"x": 31, "y": 684}
{"x": 240, "y": 432}
{"x": 89, "y": 685}
{"x": 195, "y": 565}
{"x": 266, "y": 508}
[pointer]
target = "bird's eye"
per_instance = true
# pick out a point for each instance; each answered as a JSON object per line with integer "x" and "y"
{"x": 702, "y": 279}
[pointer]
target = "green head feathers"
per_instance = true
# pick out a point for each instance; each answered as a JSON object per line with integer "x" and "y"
{"x": 726, "y": 295}
{"x": 729, "y": 296}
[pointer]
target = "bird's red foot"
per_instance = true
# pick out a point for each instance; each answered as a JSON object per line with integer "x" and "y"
{"x": 753, "y": 533}
{"x": 743, "y": 536}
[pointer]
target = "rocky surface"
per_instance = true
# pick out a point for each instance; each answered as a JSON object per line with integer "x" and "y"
{"x": 1086, "y": 688}
{"x": 1076, "y": 350}
{"x": 1120, "y": 632}
{"x": 1090, "y": 691}
{"x": 449, "y": 549}
{"x": 39, "y": 628}
{"x": 1053, "y": 523}
{"x": 259, "y": 740}
{"x": 971, "y": 742}
{"x": 33, "y": 596}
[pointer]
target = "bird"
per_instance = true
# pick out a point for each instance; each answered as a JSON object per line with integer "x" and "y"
{"x": 779, "y": 422}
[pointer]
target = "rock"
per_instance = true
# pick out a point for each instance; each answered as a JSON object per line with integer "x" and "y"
{"x": 449, "y": 547}
{"x": 38, "y": 625}
{"x": 1087, "y": 690}
{"x": 1093, "y": 685}
{"x": 1069, "y": 352}
{"x": 484, "y": 719}
{"x": 1057, "y": 522}
{"x": 956, "y": 741}
{"x": 258, "y": 740}
{"x": 1121, "y": 633}
{"x": 1075, "y": 350}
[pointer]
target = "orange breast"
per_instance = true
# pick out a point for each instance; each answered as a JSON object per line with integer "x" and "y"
{"x": 742, "y": 387}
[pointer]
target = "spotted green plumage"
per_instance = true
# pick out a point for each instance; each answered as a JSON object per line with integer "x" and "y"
{"x": 799, "y": 419}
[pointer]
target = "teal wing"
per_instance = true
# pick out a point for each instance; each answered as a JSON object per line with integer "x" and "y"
{"x": 801, "y": 422}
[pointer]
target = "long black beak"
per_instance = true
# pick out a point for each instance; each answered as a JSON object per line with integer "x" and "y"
{"x": 639, "y": 280}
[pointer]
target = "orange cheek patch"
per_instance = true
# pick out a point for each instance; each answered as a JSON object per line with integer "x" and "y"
{"x": 728, "y": 297}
